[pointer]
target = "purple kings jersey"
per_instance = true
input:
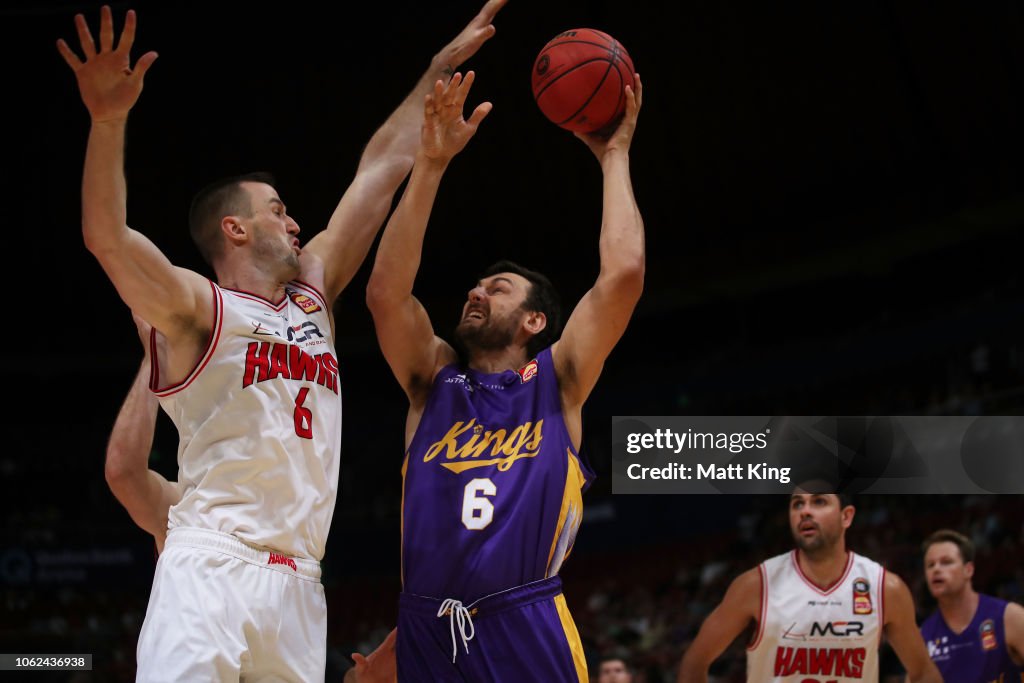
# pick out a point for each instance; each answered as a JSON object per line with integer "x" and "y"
{"x": 492, "y": 493}
{"x": 978, "y": 654}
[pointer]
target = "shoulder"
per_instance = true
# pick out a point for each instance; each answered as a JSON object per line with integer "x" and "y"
{"x": 893, "y": 583}
{"x": 1014, "y": 614}
{"x": 744, "y": 593}
{"x": 897, "y": 601}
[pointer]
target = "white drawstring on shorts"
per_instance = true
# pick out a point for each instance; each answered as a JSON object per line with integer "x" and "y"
{"x": 457, "y": 613}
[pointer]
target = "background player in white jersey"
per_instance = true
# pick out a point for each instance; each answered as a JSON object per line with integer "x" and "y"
{"x": 249, "y": 376}
{"x": 819, "y": 611}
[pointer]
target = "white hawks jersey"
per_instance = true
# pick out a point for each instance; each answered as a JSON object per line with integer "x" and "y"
{"x": 810, "y": 634}
{"x": 259, "y": 421}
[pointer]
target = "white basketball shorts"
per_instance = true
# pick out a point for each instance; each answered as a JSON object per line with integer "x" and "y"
{"x": 221, "y": 610}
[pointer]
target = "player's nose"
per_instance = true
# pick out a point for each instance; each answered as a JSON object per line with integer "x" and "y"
{"x": 477, "y": 294}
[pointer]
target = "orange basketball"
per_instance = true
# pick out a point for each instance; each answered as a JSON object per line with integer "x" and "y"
{"x": 580, "y": 79}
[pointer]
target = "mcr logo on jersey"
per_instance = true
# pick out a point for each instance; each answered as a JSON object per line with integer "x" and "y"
{"x": 303, "y": 332}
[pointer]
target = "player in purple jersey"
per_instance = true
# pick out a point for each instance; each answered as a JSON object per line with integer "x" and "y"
{"x": 972, "y": 638}
{"x": 492, "y": 476}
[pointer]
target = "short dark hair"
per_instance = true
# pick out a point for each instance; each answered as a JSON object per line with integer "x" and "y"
{"x": 224, "y": 197}
{"x": 823, "y": 486}
{"x": 963, "y": 543}
{"x": 613, "y": 658}
{"x": 542, "y": 297}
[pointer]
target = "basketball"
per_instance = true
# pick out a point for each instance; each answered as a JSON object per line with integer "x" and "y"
{"x": 580, "y": 78}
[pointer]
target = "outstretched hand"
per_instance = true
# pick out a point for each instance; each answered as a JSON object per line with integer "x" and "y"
{"x": 108, "y": 84}
{"x": 445, "y": 131}
{"x": 379, "y": 666}
{"x": 622, "y": 136}
{"x": 477, "y": 32}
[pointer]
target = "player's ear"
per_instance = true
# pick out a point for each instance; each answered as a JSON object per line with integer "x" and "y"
{"x": 969, "y": 569}
{"x": 535, "y": 322}
{"x": 846, "y": 515}
{"x": 234, "y": 230}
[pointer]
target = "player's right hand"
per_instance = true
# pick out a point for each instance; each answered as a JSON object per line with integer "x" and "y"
{"x": 108, "y": 84}
{"x": 380, "y": 665}
{"x": 622, "y": 137}
{"x": 445, "y": 132}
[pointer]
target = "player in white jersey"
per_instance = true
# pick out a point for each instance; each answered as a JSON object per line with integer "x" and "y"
{"x": 249, "y": 376}
{"x": 819, "y": 611}
{"x": 147, "y": 495}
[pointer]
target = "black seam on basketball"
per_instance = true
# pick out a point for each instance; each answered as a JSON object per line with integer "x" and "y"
{"x": 617, "y": 51}
{"x": 622, "y": 96}
{"x": 578, "y": 42}
{"x": 596, "y": 90}
{"x": 536, "y": 97}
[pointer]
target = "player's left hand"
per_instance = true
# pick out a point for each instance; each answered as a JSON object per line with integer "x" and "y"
{"x": 622, "y": 137}
{"x": 477, "y": 32}
{"x": 445, "y": 132}
{"x": 379, "y": 666}
{"x": 106, "y": 80}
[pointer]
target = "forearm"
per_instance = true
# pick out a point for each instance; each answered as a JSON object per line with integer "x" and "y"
{"x": 132, "y": 436}
{"x": 104, "y": 193}
{"x": 622, "y": 228}
{"x": 401, "y": 246}
{"x": 394, "y": 144}
{"x": 690, "y": 673}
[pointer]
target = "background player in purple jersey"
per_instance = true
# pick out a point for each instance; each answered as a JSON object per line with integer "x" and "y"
{"x": 971, "y": 637}
{"x": 492, "y": 477}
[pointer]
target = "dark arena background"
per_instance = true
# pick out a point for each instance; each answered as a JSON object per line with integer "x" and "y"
{"x": 834, "y": 204}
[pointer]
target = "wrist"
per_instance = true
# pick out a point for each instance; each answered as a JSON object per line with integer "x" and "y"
{"x": 432, "y": 163}
{"x": 442, "y": 66}
{"x": 614, "y": 155}
{"x": 110, "y": 121}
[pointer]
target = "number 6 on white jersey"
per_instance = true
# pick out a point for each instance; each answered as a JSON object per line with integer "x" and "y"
{"x": 477, "y": 512}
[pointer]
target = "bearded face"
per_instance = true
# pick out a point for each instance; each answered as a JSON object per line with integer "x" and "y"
{"x": 480, "y": 331}
{"x": 817, "y": 521}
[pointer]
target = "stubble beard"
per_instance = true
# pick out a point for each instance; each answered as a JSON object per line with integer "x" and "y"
{"x": 492, "y": 335}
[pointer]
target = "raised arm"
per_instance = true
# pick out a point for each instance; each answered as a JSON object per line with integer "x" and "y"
{"x": 739, "y": 607}
{"x": 403, "y": 328}
{"x": 385, "y": 162}
{"x": 145, "y": 494}
{"x": 172, "y": 298}
{"x": 600, "y": 318}
{"x": 905, "y": 638}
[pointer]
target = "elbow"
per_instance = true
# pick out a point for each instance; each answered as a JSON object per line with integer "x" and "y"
{"x": 386, "y": 172}
{"x": 379, "y": 294}
{"x": 628, "y": 279}
{"x": 98, "y": 244}
{"x": 117, "y": 473}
